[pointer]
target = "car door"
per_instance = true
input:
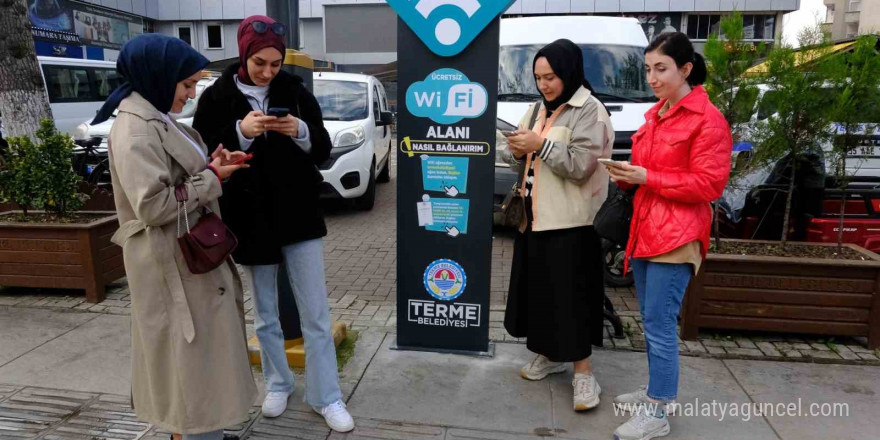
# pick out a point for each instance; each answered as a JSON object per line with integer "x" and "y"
{"x": 383, "y": 101}
{"x": 381, "y": 147}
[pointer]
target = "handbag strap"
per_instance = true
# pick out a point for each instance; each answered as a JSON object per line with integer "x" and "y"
{"x": 534, "y": 116}
{"x": 181, "y": 195}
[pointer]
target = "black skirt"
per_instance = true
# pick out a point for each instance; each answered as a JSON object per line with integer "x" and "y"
{"x": 557, "y": 292}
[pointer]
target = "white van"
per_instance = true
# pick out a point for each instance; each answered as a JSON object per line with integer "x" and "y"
{"x": 355, "y": 110}
{"x": 614, "y": 63}
{"x": 77, "y": 88}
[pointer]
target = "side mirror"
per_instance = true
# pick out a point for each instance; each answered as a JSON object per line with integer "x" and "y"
{"x": 385, "y": 119}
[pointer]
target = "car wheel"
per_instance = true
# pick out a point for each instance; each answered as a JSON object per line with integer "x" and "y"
{"x": 366, "y": 201}
{"x": 613, "y": 256}
{"x": 385, "y": 175}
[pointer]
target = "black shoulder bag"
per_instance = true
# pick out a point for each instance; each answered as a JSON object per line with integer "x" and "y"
{"x": 614, "y": 216}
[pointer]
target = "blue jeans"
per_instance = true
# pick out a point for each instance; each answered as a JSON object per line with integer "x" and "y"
{"x": 305, "y": 268}
{"x": 660, "y": 289}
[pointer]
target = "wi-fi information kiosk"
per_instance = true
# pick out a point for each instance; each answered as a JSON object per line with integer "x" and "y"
{"x": 447, "y": 55}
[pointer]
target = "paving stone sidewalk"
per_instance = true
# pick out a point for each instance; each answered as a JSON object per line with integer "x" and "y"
{"x": 361, "y": 256}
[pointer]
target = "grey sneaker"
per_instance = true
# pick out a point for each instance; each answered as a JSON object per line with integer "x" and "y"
{"x": 541, "y": 367}
{"x": 586, "y": 392}
{"x": 631, "y": 400}
{"x": 642, "y": 426}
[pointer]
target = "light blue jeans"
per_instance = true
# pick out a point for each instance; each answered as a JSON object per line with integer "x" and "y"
{"x": 660, "y": 289}
{"x": 305, "y": 268}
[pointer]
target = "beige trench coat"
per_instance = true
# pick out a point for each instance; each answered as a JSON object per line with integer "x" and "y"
{"x": 190, "y": 369}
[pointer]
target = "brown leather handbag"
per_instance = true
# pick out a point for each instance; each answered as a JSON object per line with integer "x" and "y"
{"x": 208, "y": 243}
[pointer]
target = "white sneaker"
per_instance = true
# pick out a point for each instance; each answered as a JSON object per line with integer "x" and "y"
{"x": 275, "y": 403}
{"x": 336, "y": 416}
{"x": 586, "y": 391}
{"x": 631, "y": 401}
{"x": 541, "y": 367}
{"x": 643, "y": 426}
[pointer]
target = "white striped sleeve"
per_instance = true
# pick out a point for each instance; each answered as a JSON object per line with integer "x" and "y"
{"x": 545, "y": 150}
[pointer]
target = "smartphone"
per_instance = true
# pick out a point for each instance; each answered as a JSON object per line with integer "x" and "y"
{"x": 278, "y": 112}
{"x": 508, "y": 133}
{"x": 610, "y": 163}
{"x": 242, "y": 159}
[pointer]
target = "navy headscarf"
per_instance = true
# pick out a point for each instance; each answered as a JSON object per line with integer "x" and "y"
{"x": 152, "y": 65}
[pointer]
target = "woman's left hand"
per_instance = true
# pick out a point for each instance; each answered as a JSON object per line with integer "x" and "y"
{"x": 288, "y": 125}
{"x": 524, "y": 142}
{"x": 629, "y": 173}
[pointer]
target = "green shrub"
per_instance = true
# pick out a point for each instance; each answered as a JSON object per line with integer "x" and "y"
{"x": 39, "y": 175}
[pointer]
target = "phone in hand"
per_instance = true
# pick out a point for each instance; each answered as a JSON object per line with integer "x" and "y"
{"x": 508, "y": 133}
{"x": 611, "y": 163}
{"x": 278, "y": 112}
{"x": 242, "y": 159}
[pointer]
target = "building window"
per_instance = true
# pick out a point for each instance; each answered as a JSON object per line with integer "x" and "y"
{"x": 215, "y": 36}
{"x": 855, "y": 6}
{"x": 185, "y": 34}
{"x": 755, "y": 26}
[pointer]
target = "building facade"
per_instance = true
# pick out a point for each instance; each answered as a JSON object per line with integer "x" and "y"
{"x": 849, "y": 18}
{"x": 97, "y": 29}
{"x": 356, "y": 35}
{"x": 335, "y": 29}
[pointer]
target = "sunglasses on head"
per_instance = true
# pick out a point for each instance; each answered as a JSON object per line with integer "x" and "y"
{"x": 261, "y": 27}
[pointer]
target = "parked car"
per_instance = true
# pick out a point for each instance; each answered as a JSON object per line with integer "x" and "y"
{"x": 85, "y": 130}
{"x": 754, "y": 206}
{"x": 356, "y": 114}
{"x": 90, "y": 154}
{"x": 862, "y": 163}
{"x": 76, "y": 88}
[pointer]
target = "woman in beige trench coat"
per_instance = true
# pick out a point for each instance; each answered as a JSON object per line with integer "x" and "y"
{"x": 190, "y": 369}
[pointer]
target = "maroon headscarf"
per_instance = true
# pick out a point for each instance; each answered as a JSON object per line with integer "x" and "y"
{"x": 250, "y": 42}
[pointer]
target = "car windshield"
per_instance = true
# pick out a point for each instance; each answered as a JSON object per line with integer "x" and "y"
{"x": 615, "y": 71}
{"x": 342, "y": 100}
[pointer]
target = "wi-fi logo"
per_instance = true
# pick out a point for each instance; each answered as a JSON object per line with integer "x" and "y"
{"x": 448, "y": 26}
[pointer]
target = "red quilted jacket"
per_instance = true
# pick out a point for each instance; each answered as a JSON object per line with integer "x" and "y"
{"x": 687, "y": 155}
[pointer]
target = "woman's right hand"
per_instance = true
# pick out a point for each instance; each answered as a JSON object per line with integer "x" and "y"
{"x": 254, "y": 124}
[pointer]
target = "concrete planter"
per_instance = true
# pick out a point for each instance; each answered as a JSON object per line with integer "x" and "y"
{"x": 789, "y": 295}
{"x": 68, "y": 256}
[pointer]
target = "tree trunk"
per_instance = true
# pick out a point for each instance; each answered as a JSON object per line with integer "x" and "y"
{"x": 790, "y": 196}
{"x": 23, "y": 100}
{"x": 842, "y": 185}
{"x": 716, "y": 228}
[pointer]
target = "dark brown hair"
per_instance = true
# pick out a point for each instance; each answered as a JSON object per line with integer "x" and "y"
{"x": 677, "y": 46}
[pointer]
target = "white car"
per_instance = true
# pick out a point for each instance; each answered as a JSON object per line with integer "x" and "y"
{"x": 863, "y": 163}
{"x": 356, "y": 115}
{"x": 86, "y": 130}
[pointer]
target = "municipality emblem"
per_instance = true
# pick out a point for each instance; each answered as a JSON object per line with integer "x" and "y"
{"x": 445, "y": 280}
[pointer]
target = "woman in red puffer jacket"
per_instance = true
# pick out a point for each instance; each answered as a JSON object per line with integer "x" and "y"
{"x": 680, "y": 162}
